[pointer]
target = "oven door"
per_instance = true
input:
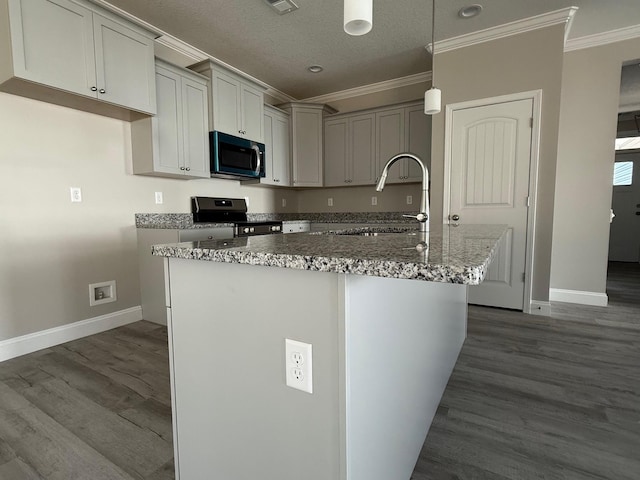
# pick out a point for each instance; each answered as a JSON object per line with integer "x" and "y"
{"x": 236, "y": 156}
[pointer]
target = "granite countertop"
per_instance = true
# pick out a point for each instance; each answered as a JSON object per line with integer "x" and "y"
{"x": 185, "y": 220}
{"x": 456, "y": 254}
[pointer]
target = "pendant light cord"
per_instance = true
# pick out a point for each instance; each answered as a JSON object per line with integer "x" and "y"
{"x": 433, "y": 43}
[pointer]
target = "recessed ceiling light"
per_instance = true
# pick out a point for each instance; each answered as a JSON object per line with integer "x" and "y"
{"x": 315, "y": 68}
{"x": 470, "y": 11}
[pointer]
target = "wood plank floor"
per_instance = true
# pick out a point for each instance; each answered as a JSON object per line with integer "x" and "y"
{"x": 530, "y": 398}
{"x": 544, "y": 398}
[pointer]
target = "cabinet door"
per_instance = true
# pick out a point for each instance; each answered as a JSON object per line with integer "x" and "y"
{"x": 226, "y": 103}
{"x": 281, "y": 151}
{"x": 270, "y": 177}
{"x": 252, "y": 113}
{"x": 390, "y": 127}
{"x": 306, "y": 131}
{"x": 362, "y": 149}
{"x": 168, "y": 131}
{"x": 195, "y": 128}
{"x": 124, "y": 66}
{"x": 53, "y": 44}
{"x": 336, "y": 149}
{"x": 418, "y": 140}
{"x": 277, "y": 149}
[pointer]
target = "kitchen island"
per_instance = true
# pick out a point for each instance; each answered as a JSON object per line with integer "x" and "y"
{"x": 385, "y": 314}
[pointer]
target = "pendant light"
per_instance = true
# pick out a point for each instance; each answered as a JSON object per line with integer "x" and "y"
{"x": 358, "y": 16}
{"x": 433, "y": 96}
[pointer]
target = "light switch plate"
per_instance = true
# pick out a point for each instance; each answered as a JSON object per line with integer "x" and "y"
{"x": 330, "y": 202}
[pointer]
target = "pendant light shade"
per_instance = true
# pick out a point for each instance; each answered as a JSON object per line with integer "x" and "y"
{"x": 432, "y": 101}
{"x": 358, "y": 16}
{"x": 433, "y": 96}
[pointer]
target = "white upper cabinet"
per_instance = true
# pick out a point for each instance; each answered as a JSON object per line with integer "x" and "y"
{"x": 76, "y": 47}
{"x": 306, "y": 126}
{"x": 237, "y": 104}
{"x": 277, "y": 148}
{"x": 349, "y": 150}
{"x": 403, "y": 129}
{"x": 357, "y": 145}
{"x": 124, "y": 66}
{"x": 175, "y": 142}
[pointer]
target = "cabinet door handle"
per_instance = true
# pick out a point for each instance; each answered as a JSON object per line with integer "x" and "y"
{"x": 94, "y": 89}
{"x": 181, "y": 168}
{"x": 102, "y": 90}
{"x": 188, "y": 169}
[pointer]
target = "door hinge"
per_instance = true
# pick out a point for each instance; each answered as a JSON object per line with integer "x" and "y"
{"x": 531, "y": 122}
{"x": 524, "y": 276}
{"x": 528, "y": 200}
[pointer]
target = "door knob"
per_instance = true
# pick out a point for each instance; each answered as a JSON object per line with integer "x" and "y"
{"x": 454, "y": 217}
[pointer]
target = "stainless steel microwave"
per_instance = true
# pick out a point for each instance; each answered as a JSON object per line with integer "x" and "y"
{"x": 236, "y": 156}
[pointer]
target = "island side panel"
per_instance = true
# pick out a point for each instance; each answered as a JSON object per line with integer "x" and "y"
{"x": 402, "y": 340}
{"x": 235, "y": 417}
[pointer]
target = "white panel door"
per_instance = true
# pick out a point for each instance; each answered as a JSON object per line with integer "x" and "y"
{"x": 490, "y": 158}
{"x": 624, "y": 239}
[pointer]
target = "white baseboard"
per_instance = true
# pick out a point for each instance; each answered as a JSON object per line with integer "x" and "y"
{"x": 578, "y": 296}
{"x": 538, "y": 307}
{"x": 14, "y": 347}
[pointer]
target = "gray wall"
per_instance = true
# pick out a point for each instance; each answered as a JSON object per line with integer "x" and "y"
{"x": 52, "y": 249}
{"x": 519, "y": 63}
{"x": 590, "y": 94}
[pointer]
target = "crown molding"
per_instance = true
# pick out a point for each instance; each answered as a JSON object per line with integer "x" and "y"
{"x": 372, "y": 88}
{"x": 557, "y": 17}
{"x": 604, "y": 38}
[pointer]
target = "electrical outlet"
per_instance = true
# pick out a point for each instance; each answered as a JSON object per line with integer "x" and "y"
{"x": 284, "y": 202}
{"x": 76, "y": 194}
{"x": 409, "y": 199}
{"x": 330, "y": 201}
{"x": 298, "y": 365}
{"x": 374, "y": 200}
{"x": 159, "y": 198}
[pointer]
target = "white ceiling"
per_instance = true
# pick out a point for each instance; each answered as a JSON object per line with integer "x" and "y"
{"x": 276, "y": 49}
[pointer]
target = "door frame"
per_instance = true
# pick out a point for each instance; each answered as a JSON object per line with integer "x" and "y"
{"x": 536, "y": 96}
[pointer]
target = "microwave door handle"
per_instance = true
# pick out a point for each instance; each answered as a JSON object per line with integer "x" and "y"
{"x": 258, "y": 159}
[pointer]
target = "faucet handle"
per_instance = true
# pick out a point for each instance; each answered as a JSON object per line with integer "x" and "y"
{"x": 421, "y": 217}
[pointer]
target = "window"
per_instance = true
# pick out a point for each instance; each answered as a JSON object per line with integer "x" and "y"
{"x": 622, "y": 173}
{"x": 628, "y": 143}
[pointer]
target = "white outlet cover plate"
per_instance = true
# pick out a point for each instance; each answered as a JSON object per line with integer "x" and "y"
{"x": 76, "y": 194}
{"x": 299, "y": 365}
{"x": 159, "y": 198}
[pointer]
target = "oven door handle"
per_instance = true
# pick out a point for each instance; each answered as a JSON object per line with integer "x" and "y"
{"x": 258, "y": 159}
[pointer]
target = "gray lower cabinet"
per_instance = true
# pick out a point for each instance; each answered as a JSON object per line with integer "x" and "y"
{"x": 175, "y": 142}
{"x": 152, "y": 286}
{"x": 76, "y": 48}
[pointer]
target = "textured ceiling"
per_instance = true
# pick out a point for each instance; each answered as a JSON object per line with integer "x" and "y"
{"x": 276, "y": 49}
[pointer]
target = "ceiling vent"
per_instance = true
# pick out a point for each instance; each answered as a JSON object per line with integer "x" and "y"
{"x": 282, "y": 6}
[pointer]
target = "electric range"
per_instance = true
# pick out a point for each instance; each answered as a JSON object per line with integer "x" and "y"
{"x": 231, "y": 210}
